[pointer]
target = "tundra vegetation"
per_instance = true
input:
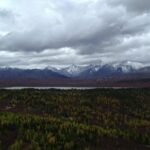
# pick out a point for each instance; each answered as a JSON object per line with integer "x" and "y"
{"x": 98, "y": 119}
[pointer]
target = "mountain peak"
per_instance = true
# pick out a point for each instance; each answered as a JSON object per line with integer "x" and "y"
{"x": 73, "y": 67}
{"x": 51, "y": 68}
{"x": 101, "y": 69}
{"x": 71, "y": 70}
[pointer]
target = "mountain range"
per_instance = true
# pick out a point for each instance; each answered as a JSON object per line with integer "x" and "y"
{"x": 74, "y": 74}
{"x": 103, "y": 70}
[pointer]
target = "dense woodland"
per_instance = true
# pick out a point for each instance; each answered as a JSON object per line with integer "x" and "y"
{"x": 98, "y": 119}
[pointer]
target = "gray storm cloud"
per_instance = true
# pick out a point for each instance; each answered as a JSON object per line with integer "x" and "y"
{"x": 133, "y": 5}
{"x": 52, "y": 32}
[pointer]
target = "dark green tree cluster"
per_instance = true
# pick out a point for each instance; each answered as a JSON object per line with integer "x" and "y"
{"x": 75, "y": 119}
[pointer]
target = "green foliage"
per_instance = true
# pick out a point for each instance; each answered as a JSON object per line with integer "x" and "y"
{"x": 74, "y": 119}
{"x": 16, "y": 146}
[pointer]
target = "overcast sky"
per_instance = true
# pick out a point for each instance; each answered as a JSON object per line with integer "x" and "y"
{"x": 40, "y": 33}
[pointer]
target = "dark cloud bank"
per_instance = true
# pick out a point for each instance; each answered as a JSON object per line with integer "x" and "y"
{"x": 40, "y": 33}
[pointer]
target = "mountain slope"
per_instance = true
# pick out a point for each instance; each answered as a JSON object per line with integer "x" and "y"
{"x": 13, "y": 73}
{"x": 74, "y": 71}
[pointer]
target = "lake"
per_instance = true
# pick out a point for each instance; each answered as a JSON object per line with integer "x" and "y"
{"x": 62, "y": 88}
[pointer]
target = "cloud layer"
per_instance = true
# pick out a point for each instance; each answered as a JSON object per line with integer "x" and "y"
{"x": 39, "y": 33}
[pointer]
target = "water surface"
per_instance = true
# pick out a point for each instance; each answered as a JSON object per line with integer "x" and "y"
{"x": 62, "y": 88}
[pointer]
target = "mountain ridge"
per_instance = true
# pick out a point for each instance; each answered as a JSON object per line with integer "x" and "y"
{"x": 92, "y": 71}
{"x": 103, "y": 69}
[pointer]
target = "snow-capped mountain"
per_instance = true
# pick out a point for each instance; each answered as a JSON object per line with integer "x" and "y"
{"x": 73, "y": 70}
{"x": 54, "y": 69}
{"x": 100, "y": 70}
{"x": 122, "y": 67}
{"x": 128, "y": 66}
{"x": 74, "y": 75}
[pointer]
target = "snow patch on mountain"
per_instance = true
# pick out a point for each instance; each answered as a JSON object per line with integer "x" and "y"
{"x": 128, "y": 66}
{"x": 97, "y": 69}
{"x": 72, "y": 70}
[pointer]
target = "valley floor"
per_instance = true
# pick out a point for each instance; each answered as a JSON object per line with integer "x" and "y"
{"x": 94, "y": 119}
